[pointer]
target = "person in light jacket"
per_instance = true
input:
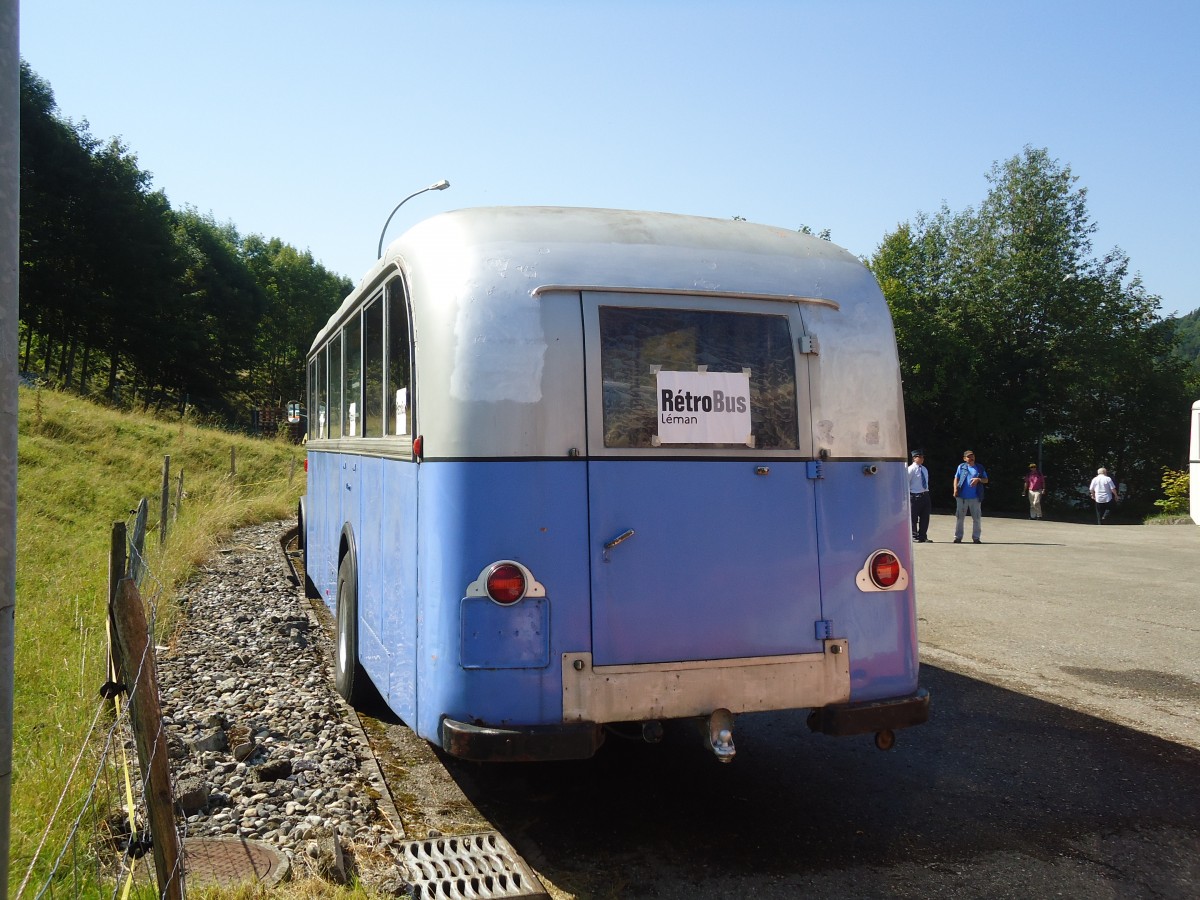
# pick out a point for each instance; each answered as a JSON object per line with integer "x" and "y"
{"x": 1104, "y": 494}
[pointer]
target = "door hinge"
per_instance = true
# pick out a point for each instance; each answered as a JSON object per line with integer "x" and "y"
{"x": 814, "y": 469}
{"x": 808, "y": 344}
{"x": 824, "y": 629}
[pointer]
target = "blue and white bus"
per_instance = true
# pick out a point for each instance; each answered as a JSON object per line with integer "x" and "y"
{"x": 573, "y": 469}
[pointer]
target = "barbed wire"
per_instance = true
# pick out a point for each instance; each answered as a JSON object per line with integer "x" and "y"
{"x": 119, "y": 736}
{"x": 63, "y": 796}
{"x": 97, "y": 805}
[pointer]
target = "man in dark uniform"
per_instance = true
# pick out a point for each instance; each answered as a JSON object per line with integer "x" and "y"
{"x": 918, "y": 497}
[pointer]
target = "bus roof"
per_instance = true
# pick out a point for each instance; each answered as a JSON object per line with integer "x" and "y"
{"x": 612, "y": 249}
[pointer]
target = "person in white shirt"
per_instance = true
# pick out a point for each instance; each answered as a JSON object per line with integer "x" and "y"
{"x": 918, "y": 497}
{"x": 1104, "y": 494}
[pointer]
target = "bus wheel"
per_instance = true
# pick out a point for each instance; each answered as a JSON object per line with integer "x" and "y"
{"x": 348, "y": 676}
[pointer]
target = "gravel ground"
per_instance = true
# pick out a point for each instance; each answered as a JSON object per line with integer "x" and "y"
{"x": 262, "y": 747}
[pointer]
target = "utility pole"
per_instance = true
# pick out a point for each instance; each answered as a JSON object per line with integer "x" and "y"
{"x": 10, "y": 181}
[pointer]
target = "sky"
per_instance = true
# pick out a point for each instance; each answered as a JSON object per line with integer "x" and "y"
{"x": 309, "y": 121}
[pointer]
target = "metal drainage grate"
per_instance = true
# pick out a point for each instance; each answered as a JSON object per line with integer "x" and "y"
{"x": 468, "y": 865}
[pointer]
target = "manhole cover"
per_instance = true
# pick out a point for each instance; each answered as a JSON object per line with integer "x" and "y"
{"x": 229, "y": 862}
{"x": 467, "y": 865}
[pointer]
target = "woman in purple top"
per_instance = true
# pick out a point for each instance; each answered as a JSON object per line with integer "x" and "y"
{"x": 1035, "y": 484}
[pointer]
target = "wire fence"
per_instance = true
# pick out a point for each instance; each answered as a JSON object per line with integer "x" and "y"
{"x": 109, "y": 834}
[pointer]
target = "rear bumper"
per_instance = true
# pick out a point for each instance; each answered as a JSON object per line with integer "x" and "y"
{"x": 581, "y": 740}
{"x": 678, "y": 690}
{"x": 528, "y": 743}
{"x": 871, "y": 716}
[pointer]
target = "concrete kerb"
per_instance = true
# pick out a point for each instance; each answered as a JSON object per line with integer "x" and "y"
{"x": 322, "y": 624}
{"x": 483, "y": 859}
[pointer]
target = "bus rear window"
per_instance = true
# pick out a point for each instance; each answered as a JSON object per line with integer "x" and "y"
{"x": 656, "y": 393}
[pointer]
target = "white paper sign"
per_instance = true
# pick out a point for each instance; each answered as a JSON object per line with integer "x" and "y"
{"x": 704, "y": 408}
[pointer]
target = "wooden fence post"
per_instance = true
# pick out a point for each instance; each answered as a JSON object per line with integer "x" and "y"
{"x": 291, "y": 471}
{"x": 138, "y": 562}
{"x": 117, "y": 561}
{"x": 232, "y": 461}
{"x": 136, "y": 654}
{"x": 166, "y": 502}
{"x": 178, "y": 496}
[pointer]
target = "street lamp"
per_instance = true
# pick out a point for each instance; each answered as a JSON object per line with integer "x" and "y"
{"x": 436, "y": 186}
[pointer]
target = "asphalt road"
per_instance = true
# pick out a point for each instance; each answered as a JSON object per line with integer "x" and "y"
{"x": 1101, "y": 619}
{"x": 1062, "y": 758}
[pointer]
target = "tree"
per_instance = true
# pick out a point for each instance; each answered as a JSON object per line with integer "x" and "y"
{"x": 171, "y": 303}
{"x": 208, "y": 346}
{"x": 1187, "y": 330}
{"x": 55, "y": 173}
{"x": 1015, "y": 340}
{"x": 96, "y": 243}
{"x": 300, "y": 296}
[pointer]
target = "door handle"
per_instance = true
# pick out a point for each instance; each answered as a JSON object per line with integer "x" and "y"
{"x": 619, "y": 539}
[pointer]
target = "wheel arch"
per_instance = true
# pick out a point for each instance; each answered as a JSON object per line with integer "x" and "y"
{"x": 347, "y": 546}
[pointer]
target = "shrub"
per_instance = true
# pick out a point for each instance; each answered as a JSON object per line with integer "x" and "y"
{"x": 1175, "y": 488}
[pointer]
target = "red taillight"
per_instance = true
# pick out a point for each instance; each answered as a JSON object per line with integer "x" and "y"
{"x": 418, "y": 447}
{"x": 306, "y": 464}
{"x": 885, "y": 570}
{"x": 506, "y": 583}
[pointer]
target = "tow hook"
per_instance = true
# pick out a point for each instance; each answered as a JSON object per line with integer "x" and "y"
{"x": 720, "y": 735}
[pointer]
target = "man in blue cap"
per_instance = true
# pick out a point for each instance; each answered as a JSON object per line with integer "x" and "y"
{"x": 918, "y": 497}
{"x": 969, "y": 481}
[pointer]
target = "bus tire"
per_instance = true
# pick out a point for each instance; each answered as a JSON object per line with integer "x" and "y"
{"x": 348, "y": 675}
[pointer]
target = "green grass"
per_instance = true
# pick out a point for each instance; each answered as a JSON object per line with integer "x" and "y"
{"x": 81, "y": 467}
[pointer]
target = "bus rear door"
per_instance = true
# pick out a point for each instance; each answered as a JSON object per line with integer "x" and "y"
{"x": 701, "y": 495}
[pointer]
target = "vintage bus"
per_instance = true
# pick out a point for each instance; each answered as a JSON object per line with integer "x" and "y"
{"x": 572, "y": 470}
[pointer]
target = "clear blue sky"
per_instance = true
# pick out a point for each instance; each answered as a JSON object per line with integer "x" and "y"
{"x": 309, "y": 121}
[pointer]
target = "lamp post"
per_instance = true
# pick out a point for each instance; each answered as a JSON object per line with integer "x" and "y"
{"x": 436, "y": 186}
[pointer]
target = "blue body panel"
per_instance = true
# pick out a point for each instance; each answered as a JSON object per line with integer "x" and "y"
{"x": 472, "y": 514}
{"x": 722, "y": 564}
{"x": 374, "y": 501}
{"x": 856, "y": 515}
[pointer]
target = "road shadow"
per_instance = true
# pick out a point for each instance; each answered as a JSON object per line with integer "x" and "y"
{"x": 993, "y": 773}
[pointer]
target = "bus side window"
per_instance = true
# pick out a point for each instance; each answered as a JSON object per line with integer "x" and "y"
{"x": 310, "y": 399}
{"x": 352, "y": 401}
{"x": 335, "y": 386}
{"x": 372, "y": 419}
{"x": 398, "y": 390}
{"x": 319, "y": 427}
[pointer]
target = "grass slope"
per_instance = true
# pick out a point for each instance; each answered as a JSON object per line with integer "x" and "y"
{"x": 81, "y": 467}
